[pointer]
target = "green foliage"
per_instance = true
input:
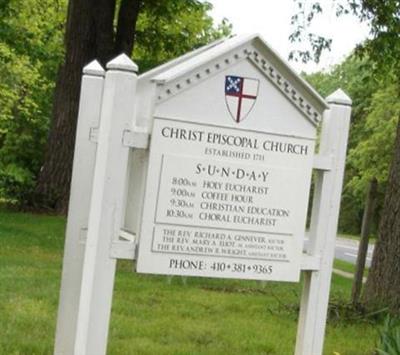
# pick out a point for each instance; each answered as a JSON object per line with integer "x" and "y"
{"x": 389, "y": 337}
{"x": 354, "y": 77}
{"x": 30, "y": 50}
{"x": 384, "y": 20}
{"x": 375, "y": 113}
{"x": 372, "y": 155}
{"x": 373, "y": 83}
{"x": 167, "y": 31}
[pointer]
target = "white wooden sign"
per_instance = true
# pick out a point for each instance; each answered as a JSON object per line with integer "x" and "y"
{"x": 229, "y": 169}
{"x": 224, "y": 202}
{"x": 222, "y": 192}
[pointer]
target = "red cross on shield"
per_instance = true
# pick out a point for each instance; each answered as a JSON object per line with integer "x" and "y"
{"x": 240, "y": 96}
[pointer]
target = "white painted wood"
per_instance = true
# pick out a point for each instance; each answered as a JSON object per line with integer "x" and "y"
{"x": 171, "y": 159}
{"x": 246, "y": 44}
{"x": 194, "y": 62}
{"x": 93, "y": 134}
{"x": 94, "y": 68}
{"x": 83, "y": 232}
{"x": 310, "y": 263}
{"x": 106, "y": 208}
{"x": 122, "y": 63}
{"x": 183, "y": 90}
{"x": 138, "y": 158}
{"x": 122, "y": 249}
{"x": 323, "y": 162}
{"x": 137, "y": 170}
{"x": 125, "y": 246}
{"x": 272, "y": 111}
{"x": 325, "y": 213}
{"x": 339, "y": 97}
{"x": 126, "y": 235}
{"x": 136, "y": 138}
{"x": 81, "y": 186}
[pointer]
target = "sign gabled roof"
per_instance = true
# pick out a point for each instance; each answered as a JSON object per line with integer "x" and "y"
{"x": 196, "y": 66}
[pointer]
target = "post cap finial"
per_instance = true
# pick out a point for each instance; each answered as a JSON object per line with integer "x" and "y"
{"x": 93, "y": 68}
{"x": 339, "y": 97}
{"x": 122, "y": 62}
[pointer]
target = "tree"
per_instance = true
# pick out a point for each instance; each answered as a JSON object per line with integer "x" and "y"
{"x": 168, "y": 31}
{"x": 372, "y": 155}
{"x": 30, "y": 50}
{"x": 368, "y": 215}
{"x": 89, "y": 34}
{"x": 103, "y": 29}
{"x": 355, "y": 77}
{"x": 383, "y": 283}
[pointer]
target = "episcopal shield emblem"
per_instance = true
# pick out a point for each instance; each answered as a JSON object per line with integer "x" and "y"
{"x": 240, "y": 96}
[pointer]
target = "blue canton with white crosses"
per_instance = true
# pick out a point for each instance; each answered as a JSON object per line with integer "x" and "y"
{"x": 233, "y": 84}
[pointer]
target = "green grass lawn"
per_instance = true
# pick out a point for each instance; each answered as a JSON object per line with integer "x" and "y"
{"x": 347, "y": 267}
{"x": 154, "y": 314}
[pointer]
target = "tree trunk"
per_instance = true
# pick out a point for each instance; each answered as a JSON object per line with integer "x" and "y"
{"x": 128, "y": 13}
{"x": 383, "y": 284}
{"x": 89, "y": 35}
{"x": 364, "y": 238}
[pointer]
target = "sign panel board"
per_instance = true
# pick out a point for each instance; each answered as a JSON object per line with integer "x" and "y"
{"x": 230, "y": 162}
{"x": 224, "y": 202}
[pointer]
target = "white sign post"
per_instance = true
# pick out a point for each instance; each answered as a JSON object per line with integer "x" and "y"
{"x": 79, "y": 205}
{"x": 324, "y": 220}
{"x": 222, "y": 192}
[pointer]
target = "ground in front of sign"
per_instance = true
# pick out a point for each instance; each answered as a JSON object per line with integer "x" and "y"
{"x": 150, "y": 314}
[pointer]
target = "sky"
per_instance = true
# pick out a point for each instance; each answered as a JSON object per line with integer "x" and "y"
{"x": 271, "y": 19}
